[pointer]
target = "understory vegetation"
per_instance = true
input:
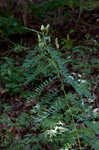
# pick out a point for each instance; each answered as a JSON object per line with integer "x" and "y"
{"x": 49, "y": 88}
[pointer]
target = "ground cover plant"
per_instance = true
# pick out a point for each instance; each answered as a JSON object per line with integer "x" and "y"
{"x": 49, "y": 93}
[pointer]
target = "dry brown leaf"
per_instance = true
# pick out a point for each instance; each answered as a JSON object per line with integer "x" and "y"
{"x": 30, "y": 103}
{"x": 2, "y": 92}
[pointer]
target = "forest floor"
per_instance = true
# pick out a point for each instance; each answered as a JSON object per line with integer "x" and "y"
{"x": 81, "y": 32}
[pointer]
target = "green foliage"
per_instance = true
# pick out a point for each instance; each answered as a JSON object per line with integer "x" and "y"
{"x": 60, "y": 117}
{"x": 56, "y": 12}
{"x": 9, "y": 26}
{"x": 11, "y": 74}
{"x": 53, "y": 11}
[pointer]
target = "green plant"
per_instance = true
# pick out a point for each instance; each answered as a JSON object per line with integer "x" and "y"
{"x": 61, "y": 117}
{"x": 64, "y": 123}
{"x": 67, "y": 43}
{"x": 11, "y": 76}
{"x": 9, "y": 26}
